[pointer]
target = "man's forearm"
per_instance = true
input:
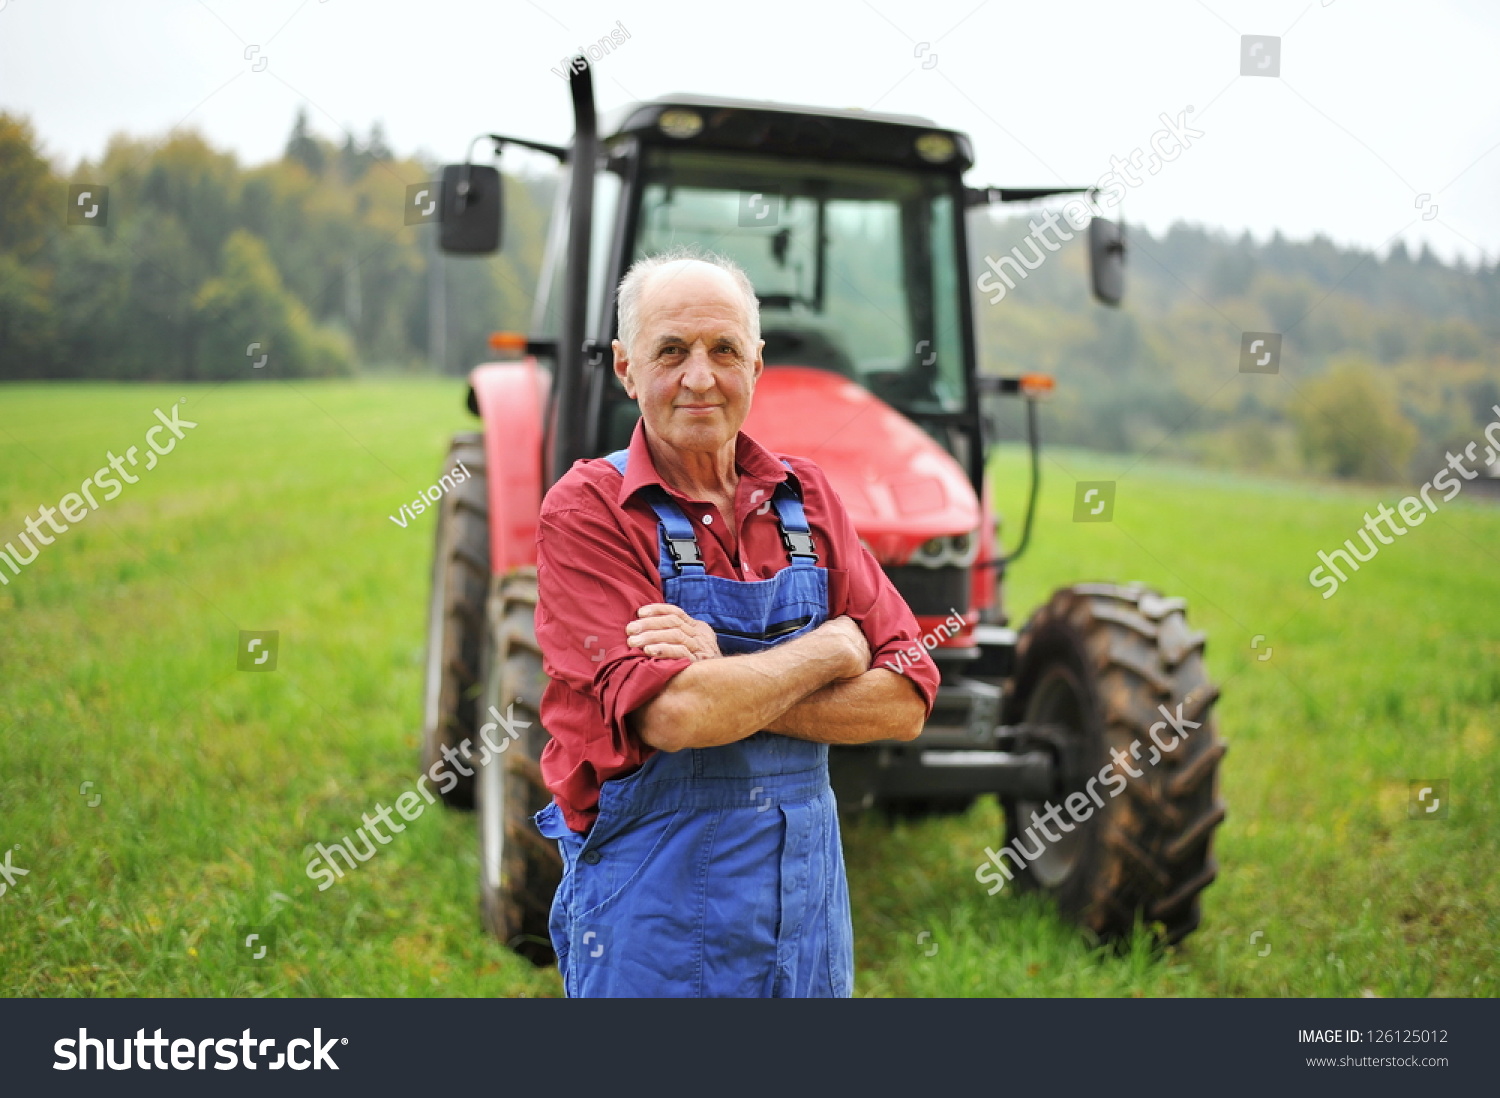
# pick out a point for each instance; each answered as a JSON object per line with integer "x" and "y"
{"x": 878, "y": 705}
{"x": 718, "y": 701}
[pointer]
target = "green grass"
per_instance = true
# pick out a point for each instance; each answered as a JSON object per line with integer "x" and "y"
{"x": 117, "y": 667}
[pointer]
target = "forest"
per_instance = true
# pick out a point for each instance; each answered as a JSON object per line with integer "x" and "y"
{"x": 168, "y": 259}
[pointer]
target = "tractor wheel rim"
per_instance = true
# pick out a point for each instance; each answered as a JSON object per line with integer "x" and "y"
{"x": 490, "y": 781}
{"x": 437, "y": 632}
{"x": 1057, "y": 699}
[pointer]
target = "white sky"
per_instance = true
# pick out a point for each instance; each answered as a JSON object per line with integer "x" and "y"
{"x": 1378, "y": 101}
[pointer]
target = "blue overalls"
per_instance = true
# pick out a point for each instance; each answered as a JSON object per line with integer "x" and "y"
{"x": 714, "y": 871}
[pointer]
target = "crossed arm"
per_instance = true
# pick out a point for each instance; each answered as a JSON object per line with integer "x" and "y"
{"x": 817, "y": 687}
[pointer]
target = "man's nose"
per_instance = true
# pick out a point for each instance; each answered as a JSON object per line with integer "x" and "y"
{"x": 699, "y": 374}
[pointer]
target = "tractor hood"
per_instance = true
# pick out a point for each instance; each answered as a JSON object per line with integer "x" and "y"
{"x": 898, "y": 485}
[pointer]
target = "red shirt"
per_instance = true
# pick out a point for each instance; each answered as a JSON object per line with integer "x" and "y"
{"x": 597, "y": 565}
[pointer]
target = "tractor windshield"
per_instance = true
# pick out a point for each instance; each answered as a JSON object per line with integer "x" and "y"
{"x": 854, "y": 266}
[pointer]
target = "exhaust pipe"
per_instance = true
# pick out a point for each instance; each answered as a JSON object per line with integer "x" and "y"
{"x": 567, "y": 386}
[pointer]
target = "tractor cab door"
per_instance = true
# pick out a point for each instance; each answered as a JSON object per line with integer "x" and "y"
{"x": 547, "y": 310}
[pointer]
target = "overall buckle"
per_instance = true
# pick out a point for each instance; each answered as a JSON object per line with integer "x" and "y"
{"x": 798, "y": 544}
{"x": 684, "y": 551}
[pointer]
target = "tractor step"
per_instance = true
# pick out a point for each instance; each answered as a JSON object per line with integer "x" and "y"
{"x": 966, "y": 709}
{"x": 939, "y": 774}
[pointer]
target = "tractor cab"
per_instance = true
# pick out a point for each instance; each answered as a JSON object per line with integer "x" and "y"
{"x": 850, "y": 225}
{"x": 855, "y": 263}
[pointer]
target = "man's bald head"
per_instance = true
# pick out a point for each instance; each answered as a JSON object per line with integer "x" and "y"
{"x": 689, "y": 352}
{"x": 680, "y": 272}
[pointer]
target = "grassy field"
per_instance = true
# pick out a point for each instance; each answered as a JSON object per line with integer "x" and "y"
{"x": 117, "y": 668}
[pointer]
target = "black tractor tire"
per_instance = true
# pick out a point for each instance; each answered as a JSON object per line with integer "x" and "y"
{"x": 519, "y": 869}
{"x": 1094, "y": 664}
{"x": 455, "y": 615}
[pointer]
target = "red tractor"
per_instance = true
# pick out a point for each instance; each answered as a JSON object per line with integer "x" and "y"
{"x": 851, "y": 226}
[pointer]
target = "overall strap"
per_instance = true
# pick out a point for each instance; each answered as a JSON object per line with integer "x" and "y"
{"x": 679, "y": 541}
{"x": 796, "y": 535}
{"x": 678, "y": 549}
{"x": 678, "y": 552}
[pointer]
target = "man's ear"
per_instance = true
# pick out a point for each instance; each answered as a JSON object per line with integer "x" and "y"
{"x": 622, "y": 367}
{"x": 760, "y": 362}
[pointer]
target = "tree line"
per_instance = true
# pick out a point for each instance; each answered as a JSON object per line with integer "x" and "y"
{"x": 170, "y": 260}
{"x": 195, "y": 267}
{"x": 1386, "y": 362}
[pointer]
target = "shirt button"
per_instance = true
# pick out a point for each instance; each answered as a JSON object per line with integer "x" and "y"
{"x": 591, "y": 857}
{"x": 708, "y": 520}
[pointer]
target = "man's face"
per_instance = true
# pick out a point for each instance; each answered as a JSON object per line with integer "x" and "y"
{"x": 693, "y": 367}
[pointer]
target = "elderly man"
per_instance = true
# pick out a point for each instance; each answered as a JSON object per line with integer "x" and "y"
{"x": 708, "y": 620}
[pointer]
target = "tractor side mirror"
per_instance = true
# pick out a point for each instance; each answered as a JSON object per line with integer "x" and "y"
{"x": 1107, "y": 260}
{"x": 472, "y": 199}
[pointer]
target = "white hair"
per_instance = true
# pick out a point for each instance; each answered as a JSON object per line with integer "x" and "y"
{"x": 628, "y": 296}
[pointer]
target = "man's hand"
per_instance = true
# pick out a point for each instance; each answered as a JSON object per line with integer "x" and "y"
{"x": 847, "y": 630}
{"x": 665, "y": 631}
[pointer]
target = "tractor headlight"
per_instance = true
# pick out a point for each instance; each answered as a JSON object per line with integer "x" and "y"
{"x": 957, "y": 551}
{"x": 680, "y": 123}
{"x": 963, "y": 548}
{"x": 935, "y": 148}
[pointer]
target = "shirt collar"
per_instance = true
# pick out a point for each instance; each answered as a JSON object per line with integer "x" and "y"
{"x": 750, "y": 458}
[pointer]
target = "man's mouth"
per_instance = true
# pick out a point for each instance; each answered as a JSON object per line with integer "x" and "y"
{"x": 699, "y": 409}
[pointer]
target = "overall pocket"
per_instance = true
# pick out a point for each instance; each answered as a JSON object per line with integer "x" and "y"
{"x": 624, "y": 861}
